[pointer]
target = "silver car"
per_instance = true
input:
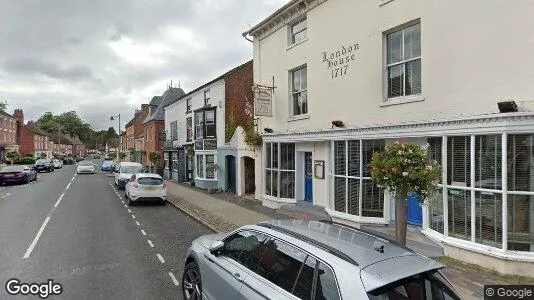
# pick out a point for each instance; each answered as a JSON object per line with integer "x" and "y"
{"x": 300, "y": 259}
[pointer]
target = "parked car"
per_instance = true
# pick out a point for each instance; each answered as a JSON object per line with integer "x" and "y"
{"x": 124, "y": 171}
{"x": 68, "y": 161}
{"x": 145, "y": 187}
{"x": 19, "y": 174}
{"x": 79, "y": 159}
{"x": 58, "y": 163}
{"x": 107, "y": 166}
{"x": 96, "y": 156}
{"x": 44, "y": 164}
{"x": 85, "y": 166}
{"x": 289, "y": 259}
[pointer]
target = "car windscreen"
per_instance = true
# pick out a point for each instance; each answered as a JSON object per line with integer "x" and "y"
{"x": 150, "y": 181}
{"x": 430, "y": 285}
{"x": 42, "y": 161}
{"x": 85, "y": 163}
{"x": 131, "y": 169}
{"x": 13, "y": 169}
{"x": 107, "y": 163}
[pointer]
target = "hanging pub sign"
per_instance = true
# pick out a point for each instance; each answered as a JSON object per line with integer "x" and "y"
{"x": 263, "y": 101}
{"x": 162, "y": 135}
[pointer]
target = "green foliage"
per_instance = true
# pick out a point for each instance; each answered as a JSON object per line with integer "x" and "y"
{"x": 212, "y": 168}
{"x": 112, "y": 155}
{"x": 405, "y": 168}
{"x": 42, "y": 155}
{"x": 3, "y": 104}
{"x": 12, "y": 156}
{"x": 28, "y": 160}
{"x": 122, "y": 155}
{"x": 253, "y": 139}
{"x": 231, "y": 126}
{"x": 155, "y": 157}
{"x": 190, "y": 151}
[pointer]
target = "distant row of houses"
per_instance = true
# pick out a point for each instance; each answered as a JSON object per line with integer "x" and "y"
{"x": 28, "y": 140}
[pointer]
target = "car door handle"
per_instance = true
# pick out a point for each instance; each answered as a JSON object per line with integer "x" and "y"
{"x": 208, "y": 258}
{"x": 237, "y": 277}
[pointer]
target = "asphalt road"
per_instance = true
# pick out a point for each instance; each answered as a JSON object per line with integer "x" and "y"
{"x": 75, "y": 230}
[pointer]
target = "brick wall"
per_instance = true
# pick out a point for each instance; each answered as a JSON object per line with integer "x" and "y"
{"x": 238, "y": 90}
{"x": 152, "y": 142}
{"x": 27, "y": 146}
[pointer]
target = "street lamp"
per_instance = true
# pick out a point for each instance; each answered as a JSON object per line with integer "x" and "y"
{"x": 119, "y": 117}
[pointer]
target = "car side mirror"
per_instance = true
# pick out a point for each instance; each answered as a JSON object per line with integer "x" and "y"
{"x": 216, "y": 246}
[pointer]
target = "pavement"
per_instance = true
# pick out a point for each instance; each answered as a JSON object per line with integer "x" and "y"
{"x": 223, "y": 212}
{"x": 76, "y": 230}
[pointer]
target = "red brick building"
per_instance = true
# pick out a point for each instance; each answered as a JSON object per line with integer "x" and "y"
{"x": 8, "y": 134}
{"x": 135, "y": 128}
{"x": 154, "y": 123}
{"x": 32, "y": 140}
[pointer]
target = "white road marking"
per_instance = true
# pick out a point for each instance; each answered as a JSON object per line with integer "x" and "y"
{"x": 150, "y": 243}
{"x": 5, "y": 195}
{"x": 120, "y": 197}
{"x": 133, "y": 216}
{"x": 137, "y": 223}
{"x": 160, "y": 258}
{"x": 129, "y": 211}
{"x": 122, "y": 202}
{"x": 59, "y": 200}
{"x": 174, "y": 279}
{"x": 68, "y": 185}
{"x": 32, "y": 245}
{"x": 143, "y": 232}
{"x": 125, "y": 205}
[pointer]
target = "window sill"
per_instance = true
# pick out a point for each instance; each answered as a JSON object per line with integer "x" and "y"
{"x": 402, "y": 100}
{"x": 298, "y": 117}
{"x": 383, "y": 2}
{"x": 296, "y": 44}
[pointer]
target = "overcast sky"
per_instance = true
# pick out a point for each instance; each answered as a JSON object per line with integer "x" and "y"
{"x": 104, "y": 57}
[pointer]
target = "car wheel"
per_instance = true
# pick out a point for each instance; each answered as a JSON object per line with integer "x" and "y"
{"x": 191, "y": 282}
{"x": 162, "y": 202}
{"x": 130, "y": 202}
{"x": 28, "y": 179}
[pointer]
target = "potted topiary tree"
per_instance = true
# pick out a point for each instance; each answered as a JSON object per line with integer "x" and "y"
{"x": 12, "y": 156}
{"x": 404, "y": 169}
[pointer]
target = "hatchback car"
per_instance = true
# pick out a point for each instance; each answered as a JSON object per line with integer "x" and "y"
{"x": 124, "y": 171}
{"x": 58, "y": 163}
{"x": 145, "y": 187}
{"x": 291, "y": 259}
{"x": 107, "y": 166}
{"x": 19, "y": 174}
{"x": 85, "y": 166}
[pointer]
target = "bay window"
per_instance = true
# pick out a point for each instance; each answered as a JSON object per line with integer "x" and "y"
{"x": 280, "y": 170}
{"x": 206, "y": 166}
{"x": 353, "y": 190}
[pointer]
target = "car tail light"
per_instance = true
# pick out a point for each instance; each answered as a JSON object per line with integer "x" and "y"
{"x": 20, "y": 174}
{"x": 135, "y": 185}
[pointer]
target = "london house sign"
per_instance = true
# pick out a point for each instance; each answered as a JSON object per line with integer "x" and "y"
{"x": 338, "y": 61}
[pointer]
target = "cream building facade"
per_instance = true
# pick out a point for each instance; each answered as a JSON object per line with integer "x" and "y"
{"x": 349, "y": 77}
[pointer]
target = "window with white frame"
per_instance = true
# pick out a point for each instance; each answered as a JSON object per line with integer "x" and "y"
{"x": 189, "y": 128}
{"x": 353, "y": 190}
{"x": 200, "y": 166}
{"x": 299, "y": 91}
{"x": 298, "y": 31}
{"x": 206, "y": 97}
{"x": 205, "y": 123}
{"x": 187, "y": 105}
{"x": 206, "y": 166}
{"x": 174, "y": 130}
{"x": 280, "y": 170}
{"x": 199, "y": 124}
{"x": 174, "y": 156}
{"x": 166, "y": 160}
{"x": 403, "y": 62}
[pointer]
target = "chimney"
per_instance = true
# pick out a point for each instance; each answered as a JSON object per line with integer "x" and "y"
{"x": 19, "y": 117}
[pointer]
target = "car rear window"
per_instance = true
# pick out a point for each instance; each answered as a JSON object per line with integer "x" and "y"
{"x": 13, "y": 169}
{"x": 150, "y": 181}
{"x": 418, "y": 287}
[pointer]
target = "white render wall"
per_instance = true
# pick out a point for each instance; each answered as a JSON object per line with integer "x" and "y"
{"x": 474, "y": 54}
{"x": 177, "y": 112}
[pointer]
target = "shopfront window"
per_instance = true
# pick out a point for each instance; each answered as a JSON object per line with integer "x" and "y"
{"x": 353, "y": 190}
{"x": 280, "y": 170}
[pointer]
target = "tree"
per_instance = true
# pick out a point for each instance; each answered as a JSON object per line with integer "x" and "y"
{"x": 122, "y": 155}
{"x": 12, "y": 156}
{"x": 112, "y": 155}
{"x": 155, "y": 157}
{"x": 42, "y": 155}
{"x": 404, "y": 169}
{"x": 3, "y": 104}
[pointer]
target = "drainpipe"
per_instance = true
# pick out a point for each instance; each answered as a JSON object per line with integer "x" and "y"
{"x": 246, "y": 38}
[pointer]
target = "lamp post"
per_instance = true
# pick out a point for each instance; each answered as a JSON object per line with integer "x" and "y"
{"x": 119, "y": 117}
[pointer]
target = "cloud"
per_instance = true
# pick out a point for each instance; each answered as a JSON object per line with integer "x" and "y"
{"x": 104, "y": 57}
